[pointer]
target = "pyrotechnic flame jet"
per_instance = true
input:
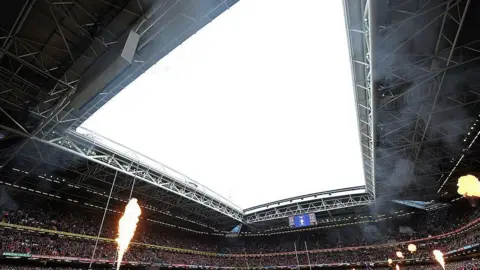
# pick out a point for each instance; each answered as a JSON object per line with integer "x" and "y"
{"x": 399, "y": 254}
{"x": 468, "y": 186}
{"x": 439, "y": 257}
{"x": 126, "y": 228}
{"x": 412, "y": 248}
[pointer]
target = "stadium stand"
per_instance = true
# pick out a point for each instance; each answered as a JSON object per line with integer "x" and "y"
{"x": 55, "y": 231}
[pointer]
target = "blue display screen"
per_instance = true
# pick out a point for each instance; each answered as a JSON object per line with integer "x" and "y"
{"x": 302, "y": 220}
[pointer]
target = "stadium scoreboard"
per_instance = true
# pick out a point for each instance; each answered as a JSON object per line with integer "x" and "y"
{"x": 304, "y": 220}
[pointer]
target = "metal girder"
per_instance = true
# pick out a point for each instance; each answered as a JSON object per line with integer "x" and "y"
{"x": 40, "y": 78}
{"x": 358, "y": 19}
{"x": 306, "y": 197}
{"x": 91, "y": 150}
{"x": 320, "y": 205}
{"x": 437, "y": 87}
{"x": 423, "y": 110}
{"x": 160, "y": 176}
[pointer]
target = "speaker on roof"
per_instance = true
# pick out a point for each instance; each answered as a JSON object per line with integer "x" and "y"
{"x": 112, "y": 63}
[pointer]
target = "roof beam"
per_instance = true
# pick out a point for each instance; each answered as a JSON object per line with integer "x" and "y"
{"x": 88, "y": 149}
{"x": 358, "y": 18}
{"x": 300, "y": 208}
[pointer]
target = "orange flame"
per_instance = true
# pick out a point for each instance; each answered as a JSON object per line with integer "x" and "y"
{"x": 126, "y": 228}
{"x": 390, "y": 261}
{"x": 412, "y": 248}
{"x": 399, "y": 254}
{"x": 439, "y": 257}
{"x": 468, "y": 186}
{"x": 397, "y": 267}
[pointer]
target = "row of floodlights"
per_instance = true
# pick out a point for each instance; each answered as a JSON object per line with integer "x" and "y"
{"x": 92, "y": 205}
{"x": 67, "y": 143}
{"x": 51, "y": 178}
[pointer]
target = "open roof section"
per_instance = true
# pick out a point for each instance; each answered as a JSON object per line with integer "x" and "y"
{"x": 258, "y": 105}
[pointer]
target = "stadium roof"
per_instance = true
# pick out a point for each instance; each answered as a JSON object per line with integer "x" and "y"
{"x": 243, "y": 110}
{"x": 414, "y": 66}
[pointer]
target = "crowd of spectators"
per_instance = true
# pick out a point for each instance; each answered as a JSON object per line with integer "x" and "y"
{"x": 57, "y": 216}
{"x": 54, "y": 245}
{"x": 459, "y": 265}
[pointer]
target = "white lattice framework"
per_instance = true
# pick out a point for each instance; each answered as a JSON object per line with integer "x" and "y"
{"x": 358, "y": 17}
{"x": 320, "y": 205}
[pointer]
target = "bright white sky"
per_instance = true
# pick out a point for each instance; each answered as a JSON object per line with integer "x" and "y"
{"x": 258, "y": 105}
